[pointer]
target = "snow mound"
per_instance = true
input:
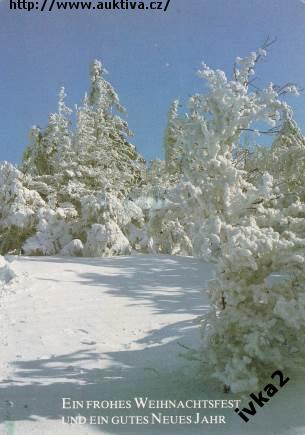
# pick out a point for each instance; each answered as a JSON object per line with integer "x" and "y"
{"x": 74, "y": 248}
{"x": 106, "y": 240}
{"x": 6, "y": 272}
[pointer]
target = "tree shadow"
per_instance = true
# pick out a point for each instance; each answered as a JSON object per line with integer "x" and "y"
{"x": 156, "y": 370}
{"x": 152, "y": 368}
{"x": 39, "y": 386}
{"x": 169, "y": 284}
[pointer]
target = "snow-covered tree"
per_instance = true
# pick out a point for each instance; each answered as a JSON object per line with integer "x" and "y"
{"x": 105, "y": 159}
{"x": 248, "y": 331}
{"x": 76, "y": 171}
{"x": 48, "y": 158}
{"x": 54, "y": 230}
{"x": 284, "y": 160}
{"x": 171, "y": 148}
{"x": 107, "y": 223}
{"x": 107, "y": 167}
{"x": 18, "y": 209}
{"x": 166, "y": 226}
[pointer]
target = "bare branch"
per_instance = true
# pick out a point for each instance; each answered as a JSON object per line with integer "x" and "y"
{"x": 274, "y": 130}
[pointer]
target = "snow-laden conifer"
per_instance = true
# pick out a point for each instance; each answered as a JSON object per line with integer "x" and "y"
{"x": 19, "y": 208}
{"x": 83, "y": 172}
{"x": 48, "y": 159}
{"x": 105, "y": 158}
{"x": 171, "y": 149}
{"x": 248, "y": 331}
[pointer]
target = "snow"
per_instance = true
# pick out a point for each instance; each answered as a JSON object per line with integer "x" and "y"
{"x": 113, "y": 329}
{"x": 6, "y": 272}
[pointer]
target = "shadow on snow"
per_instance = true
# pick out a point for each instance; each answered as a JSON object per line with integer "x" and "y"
{"x": 169, "y": 285}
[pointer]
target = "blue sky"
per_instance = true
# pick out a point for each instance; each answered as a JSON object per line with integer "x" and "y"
{"x": 152, "y": 58}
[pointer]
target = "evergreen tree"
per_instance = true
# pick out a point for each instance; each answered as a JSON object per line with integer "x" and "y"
{"x": 50, "y": 149}
{"x": 82, "y": 175}
{"x": 172, "y": 151}
{"x": 48, "y": 159}
{"x": 256, "y": 323}
{"x": 105, "y": 159}
{"x": 19, "y": 208}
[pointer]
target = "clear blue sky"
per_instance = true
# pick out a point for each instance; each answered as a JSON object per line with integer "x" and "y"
{"x": 152, "y": 58}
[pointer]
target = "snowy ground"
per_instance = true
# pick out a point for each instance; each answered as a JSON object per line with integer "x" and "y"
{"x": 112, "y": 329}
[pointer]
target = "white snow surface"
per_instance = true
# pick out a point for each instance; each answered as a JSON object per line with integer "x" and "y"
{"x": 112, "y": 329}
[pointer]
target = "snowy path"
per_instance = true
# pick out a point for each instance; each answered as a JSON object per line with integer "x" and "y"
{"x": 109, "y": 329}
